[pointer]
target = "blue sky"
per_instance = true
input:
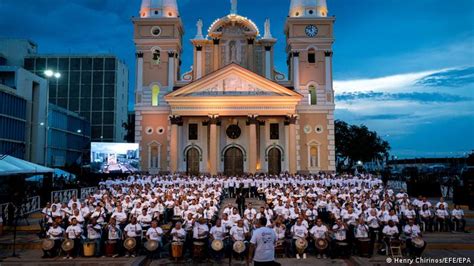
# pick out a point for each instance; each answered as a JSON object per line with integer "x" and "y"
{"x": 405, "y": 68}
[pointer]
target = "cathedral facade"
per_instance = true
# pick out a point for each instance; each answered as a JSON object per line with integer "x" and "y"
{"x": 233, "y": 112}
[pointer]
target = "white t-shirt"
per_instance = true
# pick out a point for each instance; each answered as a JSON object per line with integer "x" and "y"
{"x": 299, "y": 231}
{"x": 114, "y": 232}
{"x": 55, "y": 233}
{"x": 218, "y": 232}
{"x": 264, "y": 239}
{"x": 181, "y": 234}
{"x": 390, "y": 231}
{"x": 155, "y": 233}
{"x": 73, "y": 230}
{"x": 238, "y": 233}
{"x": 319, "y": 231}
{"x": 93, "y": 231}
{"x": 133, "y": 230}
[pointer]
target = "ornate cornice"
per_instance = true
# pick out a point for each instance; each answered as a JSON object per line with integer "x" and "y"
{"x": 139, "y": 54}
{"x": 250, "y": 41}
{"x": 252, "y": 120}
{"x": 216, "y": 41}
{"x": 268, "y": 48}
{"x": 198, "y": 48}
{"x": 295, "y": 53}
{"x": 176, "y": 120}
{"x": 328, "y": 53}
{"x": 291, "y": 120}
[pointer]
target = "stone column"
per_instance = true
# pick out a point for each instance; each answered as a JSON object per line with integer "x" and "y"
{"x": 296, "y": 71}
{"x": 250, "y": 54}
{"x": 268, "y": 62}
{"x": 198, "y": 62}
{"x": 252, "y": 148}
{"x": 328, "y": 63}
{"x": 171, "y": 70}
{"x": 290, "y": 121}
{"x": 213, "y": 122}
{"x": 215, "y": 54}
{"x": 176, "y": 121}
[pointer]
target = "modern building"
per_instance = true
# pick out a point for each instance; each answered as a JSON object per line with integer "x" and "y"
{"x": 23, "y": 114}
{"x": 14, "y": 51}
{"x": 233, "y": 112}
{"x": 68, "y": 137}
{"x": 94, "y": 86}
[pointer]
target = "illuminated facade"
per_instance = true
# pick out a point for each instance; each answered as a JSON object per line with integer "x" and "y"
{"x": 233, "y": 113}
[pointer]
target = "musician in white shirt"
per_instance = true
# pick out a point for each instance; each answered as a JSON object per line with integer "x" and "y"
{"x": 134, "y": 230}
{"x": 74, "y": 232}
{"x": 319, "y": 231}
{"x": 411, "y": 231}
{"x": 55, "y": 233}
{"x": 298, "y": 231}
{"x": 458, "y": 218}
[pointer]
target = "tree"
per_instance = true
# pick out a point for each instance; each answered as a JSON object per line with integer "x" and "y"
{"x": 357, "y": 143}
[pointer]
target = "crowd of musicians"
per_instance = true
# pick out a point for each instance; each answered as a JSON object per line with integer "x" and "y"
{"x": 178, "y": 216}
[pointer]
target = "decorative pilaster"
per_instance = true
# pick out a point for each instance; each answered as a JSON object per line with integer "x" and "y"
{"x": 139, "y": 78}
{"x": 268, "y": 62}
{"x": 176, "y": 121}
{"x": 252, "y": 122}
{"x": 328, "y": 65}
{"x": 296, "y": 70}
{"x": 213, "y": 122}
{"x": 198, "y": 62}
{"x": 250, "y": 55}
{"x": 215, "y": 53}
{"x": 171, "y": 69}
{"x": 290, "y": 121}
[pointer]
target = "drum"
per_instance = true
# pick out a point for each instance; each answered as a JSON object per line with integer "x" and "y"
{"x": 67, "y": 245}
{"x": 176, "y": 219}
{"x": 166, "y": 228}
{"x": 129, "y": 243}
{"x": 47, "y": 244}
{"x": 301, "y": 245}
{"x": 110, "y": 247}
{"x": 239, "y": 246}
{"x": 321, "y": 244}
{"x": 151, "y": 245}
{"x": 177, "y": 249}
{"x": 89, "y": 248}
{"x": 418, "y": 242}
{"x": 217, "y": 245}
{"x": 363, "y": 245}
{"x": 198, "y": 249}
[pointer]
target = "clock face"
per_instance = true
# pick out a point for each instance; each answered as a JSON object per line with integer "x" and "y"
{"x": 233, "y": 131}
{"x": 311, "y": 30}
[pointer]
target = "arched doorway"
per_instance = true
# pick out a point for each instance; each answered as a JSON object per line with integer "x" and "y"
{"x": 274, "y": 161}
{"x": 192, "y": 161}
{"x": 233, "y": 161}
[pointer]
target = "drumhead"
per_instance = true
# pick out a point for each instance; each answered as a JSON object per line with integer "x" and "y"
{"x": 47, "y": 244}
{"x": 129, "y": 243}
{"x": 321, "y": 243}
{"x": 217, "y": 245}
{"x": 67, "y": 245}
{"x": 151, "y": 245}
{"x": 239, "y": 246}
{"x": 301, "y": 243}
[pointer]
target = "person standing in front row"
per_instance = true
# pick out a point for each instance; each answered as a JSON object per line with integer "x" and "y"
{"x": 262, "y": 245}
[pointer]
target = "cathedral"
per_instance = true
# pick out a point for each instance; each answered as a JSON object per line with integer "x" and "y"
{"x": 233, "y": 112}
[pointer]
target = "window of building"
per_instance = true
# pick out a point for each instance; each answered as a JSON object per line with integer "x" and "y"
{"x": 193, "y": 131}
{"x": 97, "y": 91}
{"x": 63, "y": 64}
{"x": 311, "y": 56}
{"x": 109, "y": 63}
{"x": 274, "y": 131}
{"x": 109, "y": 104}
{"x": 312, "y": 95}
{"x": 86, "y": 77}
{"x": 75, "y": 64}
{"x": 86, "y": 63}
{"x": 29, "y": 63}
{"x": 155, "y": 93}
{"x": 98, "y": 64}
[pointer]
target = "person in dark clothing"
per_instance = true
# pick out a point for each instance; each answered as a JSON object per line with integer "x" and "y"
{"x": 240, "y": 200}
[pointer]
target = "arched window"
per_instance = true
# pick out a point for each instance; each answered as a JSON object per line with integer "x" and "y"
{"x": 155, "y": 94}
{"x": 311, "y": 56}
{"x": 313, "y": 155}
{"x": 312, "y": 95}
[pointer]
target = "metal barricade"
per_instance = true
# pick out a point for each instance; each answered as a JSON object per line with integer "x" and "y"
{"x": 86, "y": 191}
{"x": 63, "y": 195}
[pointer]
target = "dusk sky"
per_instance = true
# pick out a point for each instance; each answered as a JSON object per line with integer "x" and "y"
{"x": 404, "y": 68}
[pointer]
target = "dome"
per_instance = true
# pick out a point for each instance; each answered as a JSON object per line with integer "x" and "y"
{"x": 218, "y": 25}
{"x": 308, "y": 8}
{"x": 159, "y": 9}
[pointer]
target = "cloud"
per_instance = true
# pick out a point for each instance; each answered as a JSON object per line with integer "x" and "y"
{"x": 422, "y": 97}
{"x": 449, "y": 78}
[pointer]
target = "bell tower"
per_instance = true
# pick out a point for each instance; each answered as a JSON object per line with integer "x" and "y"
{"x": 309, "y": 39}
{"x": 158, "y": 33}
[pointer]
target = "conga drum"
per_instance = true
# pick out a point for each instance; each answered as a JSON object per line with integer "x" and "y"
{"x": 239, "y": 247}
{"x": 363, "y": 246}
{"x": 217, "y": 245}
{"x": 321, "y": 244}
{"x": 47, "y": 244}
{"x": 89, "y": 248}
{"x": 418, "y": 243}
{"x": 280, "y": 247}
{"x": 198, "y": 249}
{"x": 176, "y": 250}
{"x": 301, "y": 245}
{"x": 110, "y": 247}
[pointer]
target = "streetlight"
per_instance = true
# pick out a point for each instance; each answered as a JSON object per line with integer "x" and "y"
{"x": 50, "y": 73}
{"x": 79, "y": 131}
